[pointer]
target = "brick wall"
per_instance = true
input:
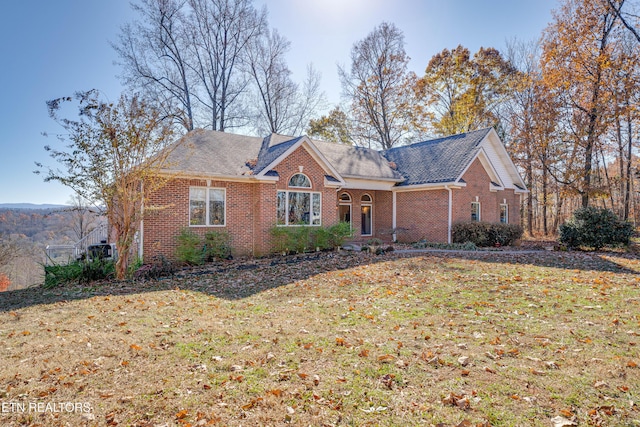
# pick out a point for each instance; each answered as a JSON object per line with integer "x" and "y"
{"x": 422, "y": 215}
{"x": 250, "y": 209}
{"x": 478, "y": 186}
{"x": 170, "y": 214}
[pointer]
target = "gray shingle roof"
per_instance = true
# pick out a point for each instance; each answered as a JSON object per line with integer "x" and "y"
{"x": 270, "y": 152}
{"x": 356, "y": 162}
{"x": 438, "y": 160}
{"x": 210, "y": 152}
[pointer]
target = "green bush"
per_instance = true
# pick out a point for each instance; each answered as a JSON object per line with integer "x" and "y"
{"x": 595, "y": 228}
{"x": 83, "y": 271}
{"x": 484, "y": 234}
{"x": 339, "y": 233}
{"x": 301, "y": 239}
{"x": 190, "y": 249}
{"x": 217, "y": 244}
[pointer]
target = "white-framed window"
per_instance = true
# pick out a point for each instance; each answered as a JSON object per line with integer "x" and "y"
{"x": 475, "y": 211}
{"x": 504, "y": 213}
{"x": 299, "y": 208}
{"x": 207, "y": 206}
{"x": 344, "y": 208}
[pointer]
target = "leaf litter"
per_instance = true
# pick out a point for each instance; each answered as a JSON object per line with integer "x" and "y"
{"x": 327, "y": 339}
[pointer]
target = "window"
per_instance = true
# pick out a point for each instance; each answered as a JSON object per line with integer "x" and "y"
{"x": 207, "y": 206}
{"x": 298, "y": 208}
{"x": 299, "y": 180}
{"x": 366, "y": 209}
{"x": 475, "y": 211}
{"x": 344, "y": 207}
{"x": 345, "y": 197}
{"x": 504, "y": 214}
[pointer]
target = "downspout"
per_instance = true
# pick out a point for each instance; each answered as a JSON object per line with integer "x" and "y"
{"x": 393, "y": 217}
{"x": 141, "y": 232}
{"x": 450, "y": 216}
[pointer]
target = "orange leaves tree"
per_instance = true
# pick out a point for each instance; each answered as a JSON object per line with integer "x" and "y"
{"x": 578, "y": 66}
{"x": 111, "y": 156}
{"x": 463, "y": 93}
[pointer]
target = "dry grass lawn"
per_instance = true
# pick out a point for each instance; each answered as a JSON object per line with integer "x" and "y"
{"x": 434, "y": 339}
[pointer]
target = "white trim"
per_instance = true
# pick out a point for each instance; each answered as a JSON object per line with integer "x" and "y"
{"x": 312, "y": 150}
{"x": 394, "y": 215}
{"x": 369, "y": 184}
{"x": 486, "y": 164}
{"x": 216, "y": 177}
{"x": 450, "y": 214}
{"x": 430, "y": 186}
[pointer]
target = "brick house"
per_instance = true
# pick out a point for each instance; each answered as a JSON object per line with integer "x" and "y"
{"x": 247, "y": 185}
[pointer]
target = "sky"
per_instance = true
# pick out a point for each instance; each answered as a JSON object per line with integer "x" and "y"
{"x": 52, "y": 49}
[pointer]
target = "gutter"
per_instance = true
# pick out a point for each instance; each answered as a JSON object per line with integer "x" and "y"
{"x": 393, "y": 217}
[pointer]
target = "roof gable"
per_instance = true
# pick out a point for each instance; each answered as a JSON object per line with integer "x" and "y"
{"x": 271, "y": 155}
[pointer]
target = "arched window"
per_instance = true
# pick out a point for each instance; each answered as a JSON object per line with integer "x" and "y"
{"x": 344, "y": 208}
{"x": 300, "y": 180}
{"x": 366, "y": 215}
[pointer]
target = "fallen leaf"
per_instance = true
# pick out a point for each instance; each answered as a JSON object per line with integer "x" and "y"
{"x": 562, "y": 422}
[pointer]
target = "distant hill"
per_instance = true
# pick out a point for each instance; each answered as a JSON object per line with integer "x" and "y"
{"x": 29, "y": 206}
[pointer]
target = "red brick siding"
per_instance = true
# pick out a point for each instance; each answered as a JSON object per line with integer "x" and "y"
{"x": 161, "y": 226}
{"x": 290, "y": 166}
{"x": 250, "y": 209}
{"x": 478, "y": 185}
{"x": 422, "y": 215}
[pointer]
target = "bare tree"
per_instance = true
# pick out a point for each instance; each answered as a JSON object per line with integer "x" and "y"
{"x": 221, "y": 32}
{"x": 153, "y": 54}
{"x": 380, "y": 88}
{"x": 84, "y": 217}
{"x": 281, "y": 105}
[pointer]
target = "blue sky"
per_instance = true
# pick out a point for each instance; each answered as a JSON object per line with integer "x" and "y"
{"x": 54, "y": 48}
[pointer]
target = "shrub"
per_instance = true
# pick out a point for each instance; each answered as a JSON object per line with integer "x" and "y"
{"x": 83, "y": 271}
{"x": 484, "y": 234}
{"x": 190, "y": 249}
{"x": 305, "y": 238}
{"x": 217, "y": 244}
{"x": 339, "y": 233}
{"x": 159, "y": 267}
{"x": 374, "y": 242}
{"x": 595, "y": 228}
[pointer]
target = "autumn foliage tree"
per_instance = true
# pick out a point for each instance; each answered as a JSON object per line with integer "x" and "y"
{"x": 578, "y": 64}
{"x": 380, "y": 89}
{"x": 464, "y": 93}
{"x": 110, "y": 152}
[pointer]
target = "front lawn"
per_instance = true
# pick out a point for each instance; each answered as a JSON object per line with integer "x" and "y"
{"x": 438, "y": 339}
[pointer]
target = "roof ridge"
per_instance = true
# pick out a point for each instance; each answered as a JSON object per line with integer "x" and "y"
{"x": 440, "y": 139}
